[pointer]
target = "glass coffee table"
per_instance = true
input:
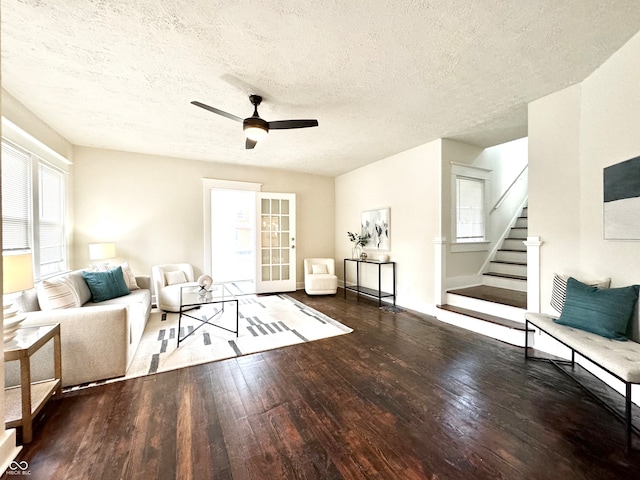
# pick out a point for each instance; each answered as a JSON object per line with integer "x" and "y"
{"x": 194, "y": 297}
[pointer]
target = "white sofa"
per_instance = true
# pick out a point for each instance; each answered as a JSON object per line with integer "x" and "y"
{"x": 98, "y": 340}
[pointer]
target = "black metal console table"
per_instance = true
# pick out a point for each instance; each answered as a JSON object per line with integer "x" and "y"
{"x": 372, "y": 292}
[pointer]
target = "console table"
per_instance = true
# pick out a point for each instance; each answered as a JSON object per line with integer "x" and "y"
{"x": 372, "y": 292}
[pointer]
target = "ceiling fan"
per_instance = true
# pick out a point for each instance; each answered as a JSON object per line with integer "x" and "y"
{"x": 255, "y": 128}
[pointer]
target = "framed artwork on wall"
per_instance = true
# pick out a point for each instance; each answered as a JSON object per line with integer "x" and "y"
{"x": 376, "y": 227}
{"x": 622, "y": 200}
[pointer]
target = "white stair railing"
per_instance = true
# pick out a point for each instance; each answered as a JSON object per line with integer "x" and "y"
{"x": 508, "y": 190}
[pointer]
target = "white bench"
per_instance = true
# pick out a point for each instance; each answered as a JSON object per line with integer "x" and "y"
{"x": 620, "y": 359}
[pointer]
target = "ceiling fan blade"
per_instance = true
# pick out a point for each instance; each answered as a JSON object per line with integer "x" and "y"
{"x": 248, "y": 144}
{"x": 285, "y": 124}
{"x": 219, "y": 112}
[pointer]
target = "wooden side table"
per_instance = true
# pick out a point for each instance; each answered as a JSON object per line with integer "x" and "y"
{"x": 24, "y": 402}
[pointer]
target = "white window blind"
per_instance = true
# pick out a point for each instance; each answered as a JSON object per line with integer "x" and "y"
{"x": 51, "y": 226}
{"x": 16, "y": 199}
{"x": 33, "y": 209}
{"x": 470, "y": 209}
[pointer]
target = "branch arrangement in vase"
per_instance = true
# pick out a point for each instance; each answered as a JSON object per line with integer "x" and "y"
{"x": 357, "y": 239}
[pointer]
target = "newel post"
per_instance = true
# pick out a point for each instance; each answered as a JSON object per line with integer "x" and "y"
{"x": 533, "y": 273}
{"x": 440, "y": 264}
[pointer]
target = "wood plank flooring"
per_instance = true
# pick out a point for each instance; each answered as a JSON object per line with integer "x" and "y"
{"x": 402, "y": 397}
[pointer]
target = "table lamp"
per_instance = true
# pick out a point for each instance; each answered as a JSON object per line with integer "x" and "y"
{"x": 101, "y": 251}
{"x": 17, "y": 276}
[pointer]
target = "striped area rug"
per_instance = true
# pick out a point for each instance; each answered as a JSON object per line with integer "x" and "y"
{"x": 265, "y": 322}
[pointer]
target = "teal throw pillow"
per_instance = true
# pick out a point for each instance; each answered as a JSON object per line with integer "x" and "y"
{"x": 106, "y": 285}
{"x": 606, "y": 312}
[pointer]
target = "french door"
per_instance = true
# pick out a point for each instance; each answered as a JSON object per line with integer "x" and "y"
{"x": 276, "y": 242}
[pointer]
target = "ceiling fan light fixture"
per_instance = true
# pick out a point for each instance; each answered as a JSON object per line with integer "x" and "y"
{"x": 255, "y": 128}
{"x": 255, "y": 133}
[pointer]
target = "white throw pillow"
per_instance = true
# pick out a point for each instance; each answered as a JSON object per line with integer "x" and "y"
{"x": 129, "y": 277}
{"x": 319, "y": 268}
{"x": 175, "y": 277}
{"x": 57, "y": 294}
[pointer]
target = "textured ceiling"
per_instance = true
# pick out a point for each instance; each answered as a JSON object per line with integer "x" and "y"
{"x": 380, "y": 76}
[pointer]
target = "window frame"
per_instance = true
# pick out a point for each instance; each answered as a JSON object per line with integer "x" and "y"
{"x": 479, "y": 174}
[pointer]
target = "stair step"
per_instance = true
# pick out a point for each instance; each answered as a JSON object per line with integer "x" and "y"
{"x": 510, "y": 262}
{"x": 518, "y": 232}
{"x": 505, "y": 322}
{"x": 511, "y": 256}
{"x": 522, "y": 222}
{"x": 502, "y": 296}
{"x": 510, "y": 268}
{"x": 506, "y": 275}
{"x": 507, "y": 281}
{"x": 514, "y": 244}
{"x": 493, "y": 323}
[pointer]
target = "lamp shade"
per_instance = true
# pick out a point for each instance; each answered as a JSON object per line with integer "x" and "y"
{"x": 101, "y": 251}
{"x": 17, "y": 273}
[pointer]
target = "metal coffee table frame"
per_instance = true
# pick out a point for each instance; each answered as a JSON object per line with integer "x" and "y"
{"x": 192, "y": 297}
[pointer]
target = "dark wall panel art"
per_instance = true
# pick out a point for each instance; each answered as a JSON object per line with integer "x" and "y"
{"x": 622, "y": 200}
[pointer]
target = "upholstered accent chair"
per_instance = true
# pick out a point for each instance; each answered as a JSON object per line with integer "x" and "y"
{"x": 320, "y": 276}
{"x": 167, "y": 281}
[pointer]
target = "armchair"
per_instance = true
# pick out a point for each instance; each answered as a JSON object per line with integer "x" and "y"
{"x": 167, "y": 280}
{"x": 320, "y": 276}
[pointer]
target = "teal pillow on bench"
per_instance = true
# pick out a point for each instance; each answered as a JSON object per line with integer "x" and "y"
{"x": 106, "y": 285}
{"x": 606, "y": 312}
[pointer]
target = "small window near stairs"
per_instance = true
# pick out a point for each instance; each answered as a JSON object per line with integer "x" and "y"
{"x": 469, "y": 212}
{"x": 469, "y": 209}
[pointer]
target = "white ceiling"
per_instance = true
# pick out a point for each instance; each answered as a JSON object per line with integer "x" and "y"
{"x": 380, "y": 76}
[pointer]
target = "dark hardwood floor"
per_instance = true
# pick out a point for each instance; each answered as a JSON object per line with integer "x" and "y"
{"x": 402, "y": 397}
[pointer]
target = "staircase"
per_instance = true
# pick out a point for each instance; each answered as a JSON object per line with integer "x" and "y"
{"x": 496, "y": 308}
{"x": 508, "y": 268}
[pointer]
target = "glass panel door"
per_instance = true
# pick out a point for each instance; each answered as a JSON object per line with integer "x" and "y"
{"x": 232, "y": 235}
{"x": 276, "y": 269}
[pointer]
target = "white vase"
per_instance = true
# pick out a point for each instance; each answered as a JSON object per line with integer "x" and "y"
{"x": 355, "y": 252}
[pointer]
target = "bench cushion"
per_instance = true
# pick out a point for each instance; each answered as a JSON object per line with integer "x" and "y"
{"x": 620, "y": 358}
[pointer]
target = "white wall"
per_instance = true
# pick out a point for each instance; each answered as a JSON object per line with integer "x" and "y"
{"x": 408, "y": 183}
{"x": 151, "y": 207}
{"x": 573, "y": 135}
{"x": 554, "y": 187}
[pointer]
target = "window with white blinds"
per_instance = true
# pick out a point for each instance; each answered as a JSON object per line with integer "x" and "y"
{"x": 17, "y": 199}
{"x": 33, "y": 209}
{"x": 469, "y": 209}
{"x": 51, "y": 225}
